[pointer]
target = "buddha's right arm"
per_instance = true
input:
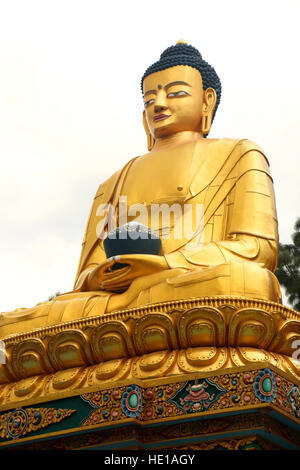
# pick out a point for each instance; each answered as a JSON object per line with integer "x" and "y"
{"x": 85, "y": 281}
{"x": 90, "y": 277}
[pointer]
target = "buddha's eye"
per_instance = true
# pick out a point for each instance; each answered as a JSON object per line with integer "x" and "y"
{"x": 175, "y": 94}
{"x": 147, "y": 103}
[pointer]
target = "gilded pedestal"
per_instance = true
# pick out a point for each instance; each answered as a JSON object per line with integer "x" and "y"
{"x": 206, "y": 373}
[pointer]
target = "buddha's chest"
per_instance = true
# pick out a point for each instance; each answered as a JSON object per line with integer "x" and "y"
{"x": 158, "y": 178}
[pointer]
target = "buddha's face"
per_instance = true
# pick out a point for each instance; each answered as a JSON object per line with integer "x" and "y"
{"x": 174, "y": 100}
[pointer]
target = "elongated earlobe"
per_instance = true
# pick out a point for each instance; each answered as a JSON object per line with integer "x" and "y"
{"x": 150, "y": 138}
{"x": 205, "y": 123}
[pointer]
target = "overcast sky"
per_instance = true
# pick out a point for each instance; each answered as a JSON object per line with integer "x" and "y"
{"x": 71, "y": 112}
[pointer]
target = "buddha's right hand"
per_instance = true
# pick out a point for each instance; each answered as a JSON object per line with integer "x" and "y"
{"x": 95, "y": 277}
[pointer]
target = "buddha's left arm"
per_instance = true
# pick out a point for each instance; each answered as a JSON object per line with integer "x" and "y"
{"x": 250, "y": 226}
{"x": 240, "y": 247}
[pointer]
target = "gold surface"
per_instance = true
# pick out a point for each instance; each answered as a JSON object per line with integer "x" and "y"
{"x": 229, "y": 177}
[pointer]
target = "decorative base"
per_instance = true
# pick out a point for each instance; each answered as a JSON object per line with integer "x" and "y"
{"x": 199, "y": 373}
{"x": 251, "y": 407}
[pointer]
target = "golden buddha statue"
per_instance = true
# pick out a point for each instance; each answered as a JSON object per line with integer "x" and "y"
{"x": 228, "y": 178}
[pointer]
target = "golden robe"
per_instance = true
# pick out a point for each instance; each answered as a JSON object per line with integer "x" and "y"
{"x": 232, "y": 180}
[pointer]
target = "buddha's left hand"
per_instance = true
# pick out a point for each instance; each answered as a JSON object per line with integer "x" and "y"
{"x": 138, "y": 265}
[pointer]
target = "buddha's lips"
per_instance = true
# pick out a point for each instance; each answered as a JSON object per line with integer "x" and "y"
{"x": 160, "y": 117}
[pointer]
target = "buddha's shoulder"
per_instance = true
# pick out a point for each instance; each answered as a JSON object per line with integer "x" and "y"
{"x": 106, "y": 188}
{"x": 108, "y": 185}
{"x": 231, "y": 144}
{"x": 243, "y": 154}
{"x": 245, "y": 149}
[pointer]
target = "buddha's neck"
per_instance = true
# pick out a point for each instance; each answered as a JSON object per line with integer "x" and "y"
{"x": 174, "y": 140}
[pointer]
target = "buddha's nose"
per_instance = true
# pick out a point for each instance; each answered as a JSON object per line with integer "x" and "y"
{"x": 159, "y": 107}
{"x": 160, "y": 103}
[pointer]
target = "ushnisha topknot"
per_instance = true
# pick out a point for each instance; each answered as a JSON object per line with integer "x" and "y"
{"x": 185, "y": 54}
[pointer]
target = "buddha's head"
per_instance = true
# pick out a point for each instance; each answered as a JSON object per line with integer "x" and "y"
{"x": 181, "y": 93}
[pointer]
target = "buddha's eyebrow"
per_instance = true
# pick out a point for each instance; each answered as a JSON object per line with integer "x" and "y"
{"x": 150, "y": 91}
{"x": 176, "y": 83}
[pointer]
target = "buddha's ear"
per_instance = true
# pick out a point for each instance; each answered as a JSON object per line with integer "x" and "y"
{"x": 209, "y": 103}
{"x": 150, "y": 138}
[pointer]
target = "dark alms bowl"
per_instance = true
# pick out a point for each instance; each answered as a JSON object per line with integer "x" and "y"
{"x": 131, "y": 239}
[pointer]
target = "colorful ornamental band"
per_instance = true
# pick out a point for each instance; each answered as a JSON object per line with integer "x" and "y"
{"x": 20, "y": 422}
{"x": 226, "y": 392}
{"x": 219, "y": 393}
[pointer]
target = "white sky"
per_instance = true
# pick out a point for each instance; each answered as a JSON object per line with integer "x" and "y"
{"x": 71, "y": 107}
